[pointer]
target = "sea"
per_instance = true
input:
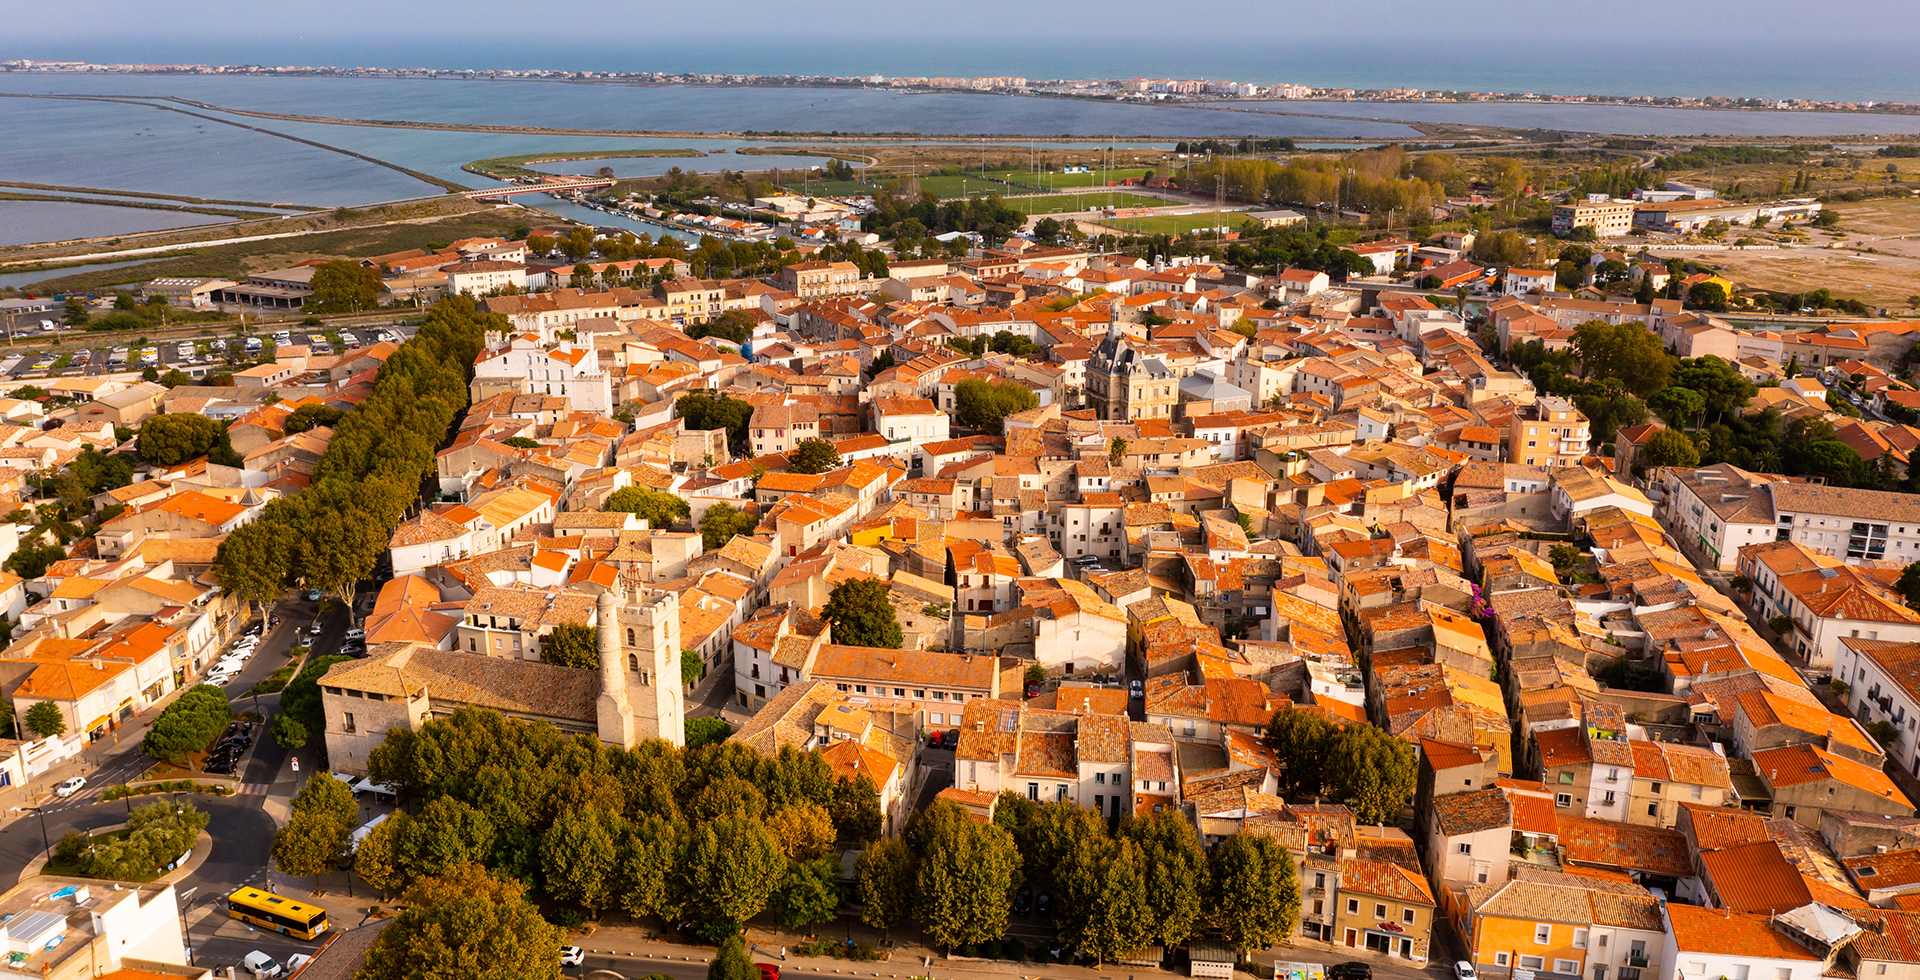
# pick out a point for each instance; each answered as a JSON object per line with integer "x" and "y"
{"x": 144, "y": 147}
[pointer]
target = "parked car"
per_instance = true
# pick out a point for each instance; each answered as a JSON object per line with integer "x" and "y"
{"x": 313, "y": 595}
{"x": 1043, "y": 904}
{"x": 224, "y": 767}
{"x": 262, "y": 966}
{"x": 1033, "y": 690}
{"x": 936, "y": 739}
{"x": 1023, "y": 901}
{"x": 356, "y": 633}
{"x": 769, "y": 971}
{"x": 1135, "y": 689}
{"x": 572, "y": 956}
{"x": 70, "y": 787}
{"x": 296, "y": 961}
{"x": 1350, "y": 971}
{"x": 1463, "y": 970}
{"x": 318, "y": 625}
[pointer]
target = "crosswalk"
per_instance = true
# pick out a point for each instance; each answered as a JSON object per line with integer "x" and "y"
{"x": 254, "y": 789}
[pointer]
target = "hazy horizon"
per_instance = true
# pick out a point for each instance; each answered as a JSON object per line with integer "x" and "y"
{"x": 1678, "y": 47}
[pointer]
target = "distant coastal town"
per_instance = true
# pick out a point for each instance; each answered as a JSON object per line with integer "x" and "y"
{"x": 1105, "y": 89}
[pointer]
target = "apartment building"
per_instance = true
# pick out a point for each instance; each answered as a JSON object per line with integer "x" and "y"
{"x": 1608, "y": 219}
{"x": 1826, "y": 601}
{"x": 1848, "y": 523}
{"x": 1882, "y": 679}
{"x": 822, "y": 280}
{"x": 1551, "y": 432}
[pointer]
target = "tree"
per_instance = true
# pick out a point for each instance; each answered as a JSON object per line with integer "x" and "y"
{"x": 1564, "y": 556}
{"x": 703, "y": 411}
{"x": 1176, "y": 873}
{"x": 1668, "y": 447}
{"x": 861, "y": 615}
{"x": 649, "y": 854}
{"x": 809, "y": 893}
{"x": 813, "y": 456}
{"x": 580, "y": 858}
{"x": 1116, "y": 450}
{"x": 376, "y": 857}
{"x": 571, "y": 645}
{"x": 884, "y": 877}
{"x": 964, "y": 875}
{"x": 735, "y": 326}
{"x": 856, "y": 808}
{"x": 701, "y": 731}
{"x": 188, "y": 724}
{"x": 31, "y": 560}
{"x": 308, "y": 844}
{"x": 445, "y": 835}
{"x": 520, "y": 442}
{"x": 329, "y": 798}
{"x": 1254, "y": 897}
{"x": 659, "y": 509}
{"x": 985, "y": 404}
{"x": 1707, "y": 296}
{"x": 45, "y": 720}
{"x": 175, "y": 437}
{"x": 288, "y": 732}
{"x": 73, "y": 312}
{"x": 1678, "y": 406}
{"x": 1104, "y": 908}
{"x": 1299, "y": 740}
{"x": 730, "y": 962}
{"x": 465, "y": 924}
{"x": 312, "y": 417}
{"x": 343, "y": 286}
{"x": 1625, "y": 351}
{"x": 722, "y": 522}
{"x": 1372, "y": 772}
{"x": 805, "y": 831}
{"x": 731, "y": 867}
{"x": 1908, "y": 586}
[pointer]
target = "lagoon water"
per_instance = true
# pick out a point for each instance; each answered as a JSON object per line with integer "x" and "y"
{"x": 137, "y": 147}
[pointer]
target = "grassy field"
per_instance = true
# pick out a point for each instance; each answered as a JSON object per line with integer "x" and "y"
{"x": 1097, "y": 178}
{"x": 1884, "y": 277}
{"x": 240, "y": 258}
{"x": 1092, "y": 201}
{"x": 1178, "y": 224}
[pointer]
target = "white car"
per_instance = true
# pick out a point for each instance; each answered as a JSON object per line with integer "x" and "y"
{"x": 262, "y": 966}
{"x": 296, "y": 961}
{"x": 572, "y": 956}
{"x": 70, "y": 787}
{"x": 1463, "y": 970}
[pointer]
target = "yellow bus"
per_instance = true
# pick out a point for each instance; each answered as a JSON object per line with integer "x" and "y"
{"x": 283, "y": 915}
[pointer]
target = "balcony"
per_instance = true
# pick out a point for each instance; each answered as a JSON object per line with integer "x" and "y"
{"x": 1637, "y": 962}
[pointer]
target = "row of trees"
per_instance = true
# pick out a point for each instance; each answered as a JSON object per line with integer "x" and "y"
{"x": 713, "y": 835}
{"x": 987, "y": 216}
{"x": 331, "y": 535}
{"x": 300, "y": 714}
{"x": 1145, "y": 882}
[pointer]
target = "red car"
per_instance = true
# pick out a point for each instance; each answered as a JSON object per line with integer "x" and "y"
{"x": 769, "y": 971}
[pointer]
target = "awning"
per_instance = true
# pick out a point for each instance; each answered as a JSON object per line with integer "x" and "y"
{"x": 99, "y": 722}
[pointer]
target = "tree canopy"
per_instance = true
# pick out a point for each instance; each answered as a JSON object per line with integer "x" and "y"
{"x": 813, "y": 456}
{"x": 721, "y": 523}
{"x": 172, "y": 438}
{"x": 1627, "y": 352}
{"x": 703, "y": 411}
{"x": 984, "y": 404}
{"x": 861, "y": 615}
{"x": 343, "y": 286}
{"x": 466, "y": 924}
{"x": 571, "y": 645}
{"x": 659, "y": 509}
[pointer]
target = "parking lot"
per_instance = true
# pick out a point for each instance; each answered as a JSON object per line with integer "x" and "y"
{"x": 195, "y": 357}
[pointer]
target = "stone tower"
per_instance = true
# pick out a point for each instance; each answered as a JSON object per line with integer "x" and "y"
{"x": 640, "y": 692}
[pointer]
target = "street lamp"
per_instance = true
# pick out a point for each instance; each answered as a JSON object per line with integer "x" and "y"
{"x": 46, "y": 841}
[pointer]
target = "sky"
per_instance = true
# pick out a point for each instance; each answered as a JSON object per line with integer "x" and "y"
{"x": 1708, "y": 42}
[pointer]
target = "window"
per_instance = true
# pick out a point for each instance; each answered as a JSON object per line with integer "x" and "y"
{"x": 1406, "y": 916}
{"x": 1464, "y": 848}
{"x": 1739, "y": 972}
{"x": 1379, "y": 911}
{"x": 1319, "y": 880}
{"x": 1500, "y": 959}
{"x": 347, "y": 722}
{"x": 1579, "y": 939}
{"x": 1789, "y": 813}
{"x": 629, "y": 636}
{"x": 1782, "y": 973}
{"x": 1563, "y": 800}
{"x": 1542, "y": 934}
{"x": 1099, "y": 777}
{"x": 1033, "y": 791}
{"x": 1533, "y": 963}
{"x": 1653, "y": 809}
{"x": 1567, "y": 966}
{"x": 1353, "y": 906}
{"x": 1656, "y": 789}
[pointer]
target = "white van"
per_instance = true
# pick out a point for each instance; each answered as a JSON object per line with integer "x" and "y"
{"x": 354, "y": 839}
{"x": 261, "y": 966}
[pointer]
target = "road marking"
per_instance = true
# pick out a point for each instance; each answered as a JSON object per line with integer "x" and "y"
{"x": 254, "y": 789}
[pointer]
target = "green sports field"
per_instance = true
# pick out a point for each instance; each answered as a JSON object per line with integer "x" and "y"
{"x": 1179, "y": 224}
{"x": 1090, "y": 201}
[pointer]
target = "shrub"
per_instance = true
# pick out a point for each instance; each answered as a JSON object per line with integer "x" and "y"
{"x": 990, "y": 949}
{"x": 1780, "y": 625}
{"x": 1016, "y": 950}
